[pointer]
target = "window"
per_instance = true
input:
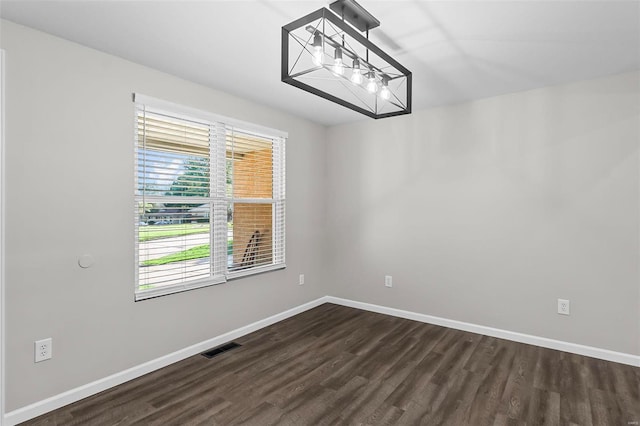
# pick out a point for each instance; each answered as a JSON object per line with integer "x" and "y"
{"x": 209, "y": 199}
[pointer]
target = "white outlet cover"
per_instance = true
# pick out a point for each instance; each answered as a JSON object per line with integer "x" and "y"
{"x": 42, "y": 350}
{"x": 388, "y": 281}
{"x": 564, "y": 307}
{"x": 301, "y": 280}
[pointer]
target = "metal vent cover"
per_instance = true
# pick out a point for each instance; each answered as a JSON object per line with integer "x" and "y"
{"x": 220, "y": 349}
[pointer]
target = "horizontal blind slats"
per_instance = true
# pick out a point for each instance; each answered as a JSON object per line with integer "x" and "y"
{"x": 184, "y": 170}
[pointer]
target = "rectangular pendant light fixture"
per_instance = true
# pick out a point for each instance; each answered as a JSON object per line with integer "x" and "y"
{"x": 324, "y": 53}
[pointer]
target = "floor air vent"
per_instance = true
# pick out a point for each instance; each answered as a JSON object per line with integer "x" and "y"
{"x": 220, "y": 349}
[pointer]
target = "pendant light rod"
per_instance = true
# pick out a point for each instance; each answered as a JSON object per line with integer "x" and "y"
{"x": 367, "y": 49}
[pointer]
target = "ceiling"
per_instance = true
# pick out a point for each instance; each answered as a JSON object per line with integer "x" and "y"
{"x": 457, "y": 50}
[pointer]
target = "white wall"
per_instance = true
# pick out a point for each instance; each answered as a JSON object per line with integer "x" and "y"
{"x": 489, "y": 211}
{"x": 69, "y": 191}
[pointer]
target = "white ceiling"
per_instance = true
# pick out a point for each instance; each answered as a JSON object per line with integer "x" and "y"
{"x": 457, "y": 50}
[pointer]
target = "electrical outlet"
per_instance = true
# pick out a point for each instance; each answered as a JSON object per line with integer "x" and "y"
{"x": 301, "y": 280}
{"x": 564, "y": 307}
{"x": 388, "y": 281}
{"x": 43, "y": 350}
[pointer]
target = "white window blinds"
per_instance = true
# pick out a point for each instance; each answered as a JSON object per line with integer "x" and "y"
{"x": 209, "y": 201}
{"x": 256, "y": 194}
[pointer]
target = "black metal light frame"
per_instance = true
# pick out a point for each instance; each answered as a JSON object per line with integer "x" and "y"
{"x": 324, "y": 13}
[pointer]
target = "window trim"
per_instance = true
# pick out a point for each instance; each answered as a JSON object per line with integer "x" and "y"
{"x": 187, "y": 113}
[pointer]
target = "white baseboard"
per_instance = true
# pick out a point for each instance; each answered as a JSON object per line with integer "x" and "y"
{"x": 73, "y": 395}
{"x": 544, "y": 342}
{"x": 41, "y": 407}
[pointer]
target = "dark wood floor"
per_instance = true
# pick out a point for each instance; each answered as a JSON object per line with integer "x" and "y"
{"x": 337, "y": 365}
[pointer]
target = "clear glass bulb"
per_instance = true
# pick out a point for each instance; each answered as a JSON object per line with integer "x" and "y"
{"x": 372, "y": 87}
{"x": 317, "y": 55}
{"x": 356, "y": 76}
{"x": 385, "y": 93}
{"x": 338, "y": 66}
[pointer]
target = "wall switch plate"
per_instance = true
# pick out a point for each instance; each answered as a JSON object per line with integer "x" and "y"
{"x": 564, "y": 307}
{"x": 301, "y": 280}
{"x": 388, "y": 281}
{"x": 43, "y": 350}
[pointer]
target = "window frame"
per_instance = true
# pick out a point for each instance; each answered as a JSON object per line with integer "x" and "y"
{"x": 217, "y": 148}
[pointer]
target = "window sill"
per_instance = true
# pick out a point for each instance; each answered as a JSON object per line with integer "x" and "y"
{"x": 164, "y": 291}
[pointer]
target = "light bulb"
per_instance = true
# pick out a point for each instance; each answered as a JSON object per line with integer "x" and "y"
{"x": 338, "y": 66}
{"x": 317, "y": 50}
{"x": 356, "y": 77}
{"x": 317, "y": 55}
{"x": 372, "y": 86}
{"x": 356, "y": 74}
{"x": 385, "y": 93}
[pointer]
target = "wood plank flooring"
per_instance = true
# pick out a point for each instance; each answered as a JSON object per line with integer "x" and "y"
{"x": 335, "y": 365}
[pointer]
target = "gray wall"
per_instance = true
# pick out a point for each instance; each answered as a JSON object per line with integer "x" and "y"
{"x": 485, "y": 212}
{"x": 489, "y": 211}
{"x": 69, "y": 191}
